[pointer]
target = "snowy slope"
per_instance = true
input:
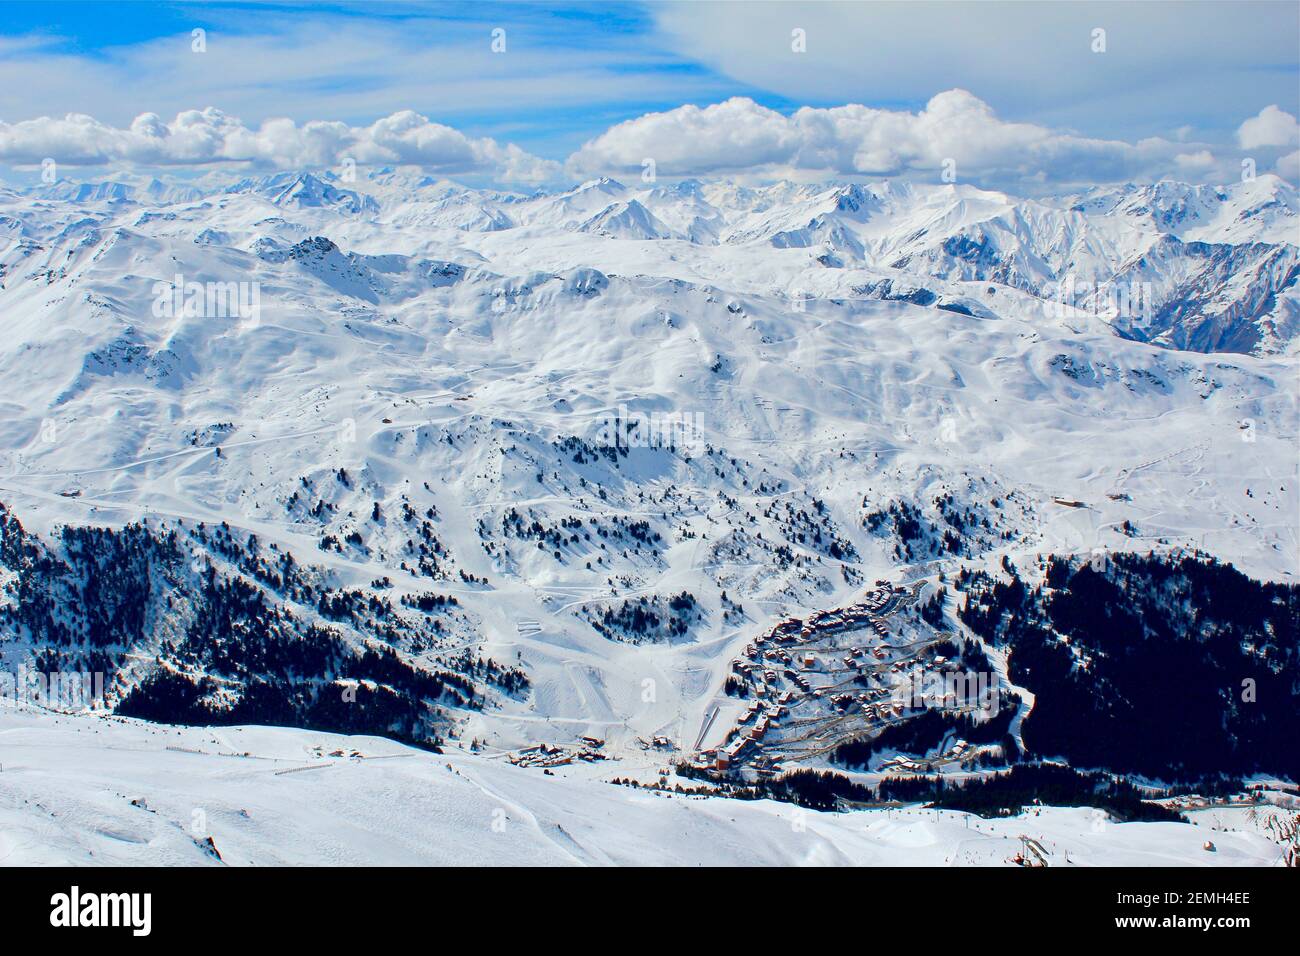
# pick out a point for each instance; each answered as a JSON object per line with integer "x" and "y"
{"x": 436, "y": 391}
{"x": 95, "y": 791}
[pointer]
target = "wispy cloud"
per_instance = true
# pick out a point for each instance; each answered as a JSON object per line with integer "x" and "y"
{"x": 262, "y": 64}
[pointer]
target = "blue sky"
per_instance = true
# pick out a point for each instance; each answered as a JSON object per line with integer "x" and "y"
{"x": 1179, "y": 73}
{"x": 619, "y": 37}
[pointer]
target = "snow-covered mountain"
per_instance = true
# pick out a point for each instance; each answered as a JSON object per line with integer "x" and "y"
{"x": 513, "y": 469}
{"x": 1217, "y": 266}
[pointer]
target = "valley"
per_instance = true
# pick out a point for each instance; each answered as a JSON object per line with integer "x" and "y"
{"x": 690, "y": 470}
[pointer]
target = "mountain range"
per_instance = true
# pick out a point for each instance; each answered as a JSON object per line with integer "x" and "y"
{"x": 504, "y": 470}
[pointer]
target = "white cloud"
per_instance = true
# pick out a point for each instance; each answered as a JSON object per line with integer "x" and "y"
{"x": 740, "y": 136}
{"x": 954, "y": 131}
{"x": 210, "y": 136}
{"x": 1200, "y": 160}
{"x": 1165, "y": 64}
{"x": 1272, "y": 127}
{"x": 1189, "y": 75}
{"x": 1288, "y": 167}
{"x": 265, "y": 62}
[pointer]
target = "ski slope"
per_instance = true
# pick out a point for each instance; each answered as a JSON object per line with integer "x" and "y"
{"x": 85, "y": 790}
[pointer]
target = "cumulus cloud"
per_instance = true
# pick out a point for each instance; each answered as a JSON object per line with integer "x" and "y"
{"x": 210, "y": 136}
{"x": 955, "y": 130}
{"x": 1272, "y": 127}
